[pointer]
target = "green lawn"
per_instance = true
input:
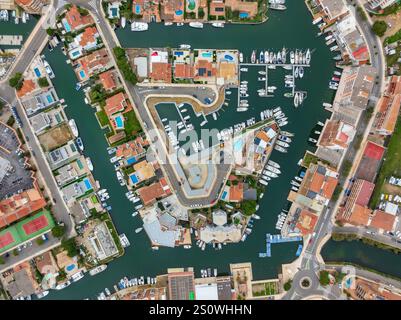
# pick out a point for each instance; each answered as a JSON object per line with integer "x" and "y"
{"x": 391, "y": 164}
{"x": 102, "y": 118}
{"x": 131, "y": 125}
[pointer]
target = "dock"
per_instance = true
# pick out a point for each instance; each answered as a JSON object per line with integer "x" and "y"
{"x": 7, "y": 40}
{"x": 277, "y": 238}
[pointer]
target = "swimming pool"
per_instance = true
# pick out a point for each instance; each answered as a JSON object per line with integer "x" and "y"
{"x": 134, "y": 178}
{"x": 87, "y": 184}
{"x": 224, "y": 195}
{"x": 178, "y": 12}
{"x": 119, "y": 122}
{"x": 178, "y": 53}
{"x": 243, "y": 15}
{"x": 137, "y": 9}
{"x": 66, "y": 25}
{"x": 206, "y": 54}
{"x": 75, "y": 53}
{"x": 49, "y": 99}
{"x": 37, "y": 72}
{"x": 70, "y": 267}
{"x": 131, "y": 160}
{"x": 238, "y": 145}
{"x": 191, "y": 4}
{"x": 82, "y": 74}
{"x": 228, "y": 57}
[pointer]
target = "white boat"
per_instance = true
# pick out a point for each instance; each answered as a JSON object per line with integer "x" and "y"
{"x": 89, "y": 163}
{"x": 98, "y": 269}
{"x": 270, "y": 174}
{"x": 301, "y": 72}
{"x": 273, "y": 164}
{"x": 139, "y": 26}
{"x": 244, "y": 69}
{"x": 307, "y": 57}
{"x": 62, "y": 285}
{"x": 123, "y": 22}
{"x": 282, "y": 144}
{"x": 333, "y": 48}
{"x": 48, "y": 69}
{"x": 242, "y": 109}
{"x": 185, "y": 46}
{"x": 273, "y": 169}
{"x": 337, "y": 73}
{"x": 298, "y": 178}
{"x": 197, "y": 25}
{"x": 180, "y": 24}
{"x": 295, "y": 183}
{"x": 137, "y": 230}
{"x": 312, "y": 140}
{"x": 263, "y": 73}
{"x": 296, "y": 72}
{"x": 218, "y": 24}
{"x": 42, "y": 294}
{"x": 327, "y": 105}
{"x": 255, "y": 216}
{"x": 263, "y": 182}
{"x": 317, "y": 20}
{"x": 80, "y": 144}
{"x": 296, "y": 99}
{"x": 253, "y": 56}
{"x": 77, "y": 276}
{"x": 73, "y": 127}
{"x": 284, "y": 138}
{"x": 280, "y": 149}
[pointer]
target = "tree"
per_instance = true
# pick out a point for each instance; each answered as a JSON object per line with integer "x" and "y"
{"x": 324, "y": 278}
{"x": 288, "y": 285}
{"x": 248, "y": 207}
{"x": 70, "y": 246}
{"x": 39, "y": 241}
{"x": 2, "y": 261}
{"x": 16, "y": 81}
{"x": 51, "y": 32}
{"x": 43, "y": 83}
{"x": 379, "y": 28}
{"x": 58, "y": 231}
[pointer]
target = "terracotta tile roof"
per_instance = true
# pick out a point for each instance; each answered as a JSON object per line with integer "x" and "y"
{"x": 88, "y": 36}
{"x": 27, "y": 87}
{"x": 108, "y": 80}
{"x": 360, "y": 215}
{"x": 373, "y": 151}
{"x": 132, "y": 148}
{"x": 237, "y": 192}
{"x": 364, "y": 194}
{"x": 205, "y": 69}
{"x": 382, "y": 220}
{"x": 161, "y": 71}
{"x": 76, "y": 20}
{"x": 317, "y": 182}
{"x": 20, "y": 205}
{"x": 182, "y": 70}
{"x": 306, "y": 222}
{"x": 329, "y": 186}
{"x": 149, "y": 194}
{"x": 116, "y": 103}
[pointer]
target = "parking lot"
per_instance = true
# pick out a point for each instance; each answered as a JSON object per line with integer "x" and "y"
{"x": 18, "y": 178}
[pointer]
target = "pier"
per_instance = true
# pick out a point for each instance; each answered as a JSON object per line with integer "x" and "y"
{"x": 277, "y": 238}
{"x": 6, "y": 40}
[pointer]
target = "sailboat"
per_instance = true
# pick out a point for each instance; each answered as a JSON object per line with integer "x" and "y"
{"x": 253, "y": 56}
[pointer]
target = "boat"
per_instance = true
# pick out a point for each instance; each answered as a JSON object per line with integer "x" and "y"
{"x": 263, "y": 73}
{"x": 292, "y": 57}
{"x": 317, "y": 20}
{"x": 273, "y": 164}
{"x": 301, "y": 72}
{"x": 270, "y": 174}
{"x": 307, "y": 57}
{"x": 42, "y": 294}
{"x": 62, "y": 285}
{"x": 287, "y": 133}
{"x": 77, "y": 276}
{"x": 241, "y": 57}
{"x": 296, "y": 72}
{"x": 329, "y": 42}
{"x": 89, "y": 163}
{"x": 98, "y": 269}
{"x": 337, "y": 57}
{"x": 185, "y": 46}
{"x": 273, "y": 169}
{"x": 295, "y": 183}
{"x": 263, "y": 182}
{"x": 48, "y": 69}
{"x": 267, "y": 56}
{"x": 312, "y": 140}
{"x": 288, "y": 95}
{"x": 137, "y": 230}
{"x": 294, "y": 188}
{"x": 276, "y": 6}
{"x": 261, "y": 57}
{"x": 180, "y": 24}
{"x": 261, "y": 79}
{"x": 301, "y": 97}
{"x": 168, "y": 24}
{"x": 282, "y": 124}
{"x": 333, "y": 48}
{"x": 139, "y": 26}
{"x": 218, "y": 24}
{"x": 253, "y": 56}
{"x": 296, "y": 100}
{"x": 80, "y": 144}
{"x": 337, "y": 73}
{"x": 242, "y": 109}
{"x": 298, "y": 178}
{"x": 187, "y": 246}
{"x": 299, "y": 250}
{"x": 73, "y": 127}
{"x": 197, "y": 25}
{"x": 123, "y": 22}
{"x": 280, "y": 149}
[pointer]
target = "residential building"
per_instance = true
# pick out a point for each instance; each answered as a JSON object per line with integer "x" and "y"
{"x": 83, "y": 42}
{"x": 370, "y": 161}
{"x": 181, "y": 284}
{"x": 46, "y": 120}
{"x": 160, "y": 68}
{"x": 91, "y": 64}
{"x": 249, "y": 9}
{"x": 157, "y": 190}
{"x": 380, "y": 4}
{"x": 306, "y": 222}
{"x": 131, "y": 151}
{"x": 32, "y": 6}
{"x": 75, "y": 21}
{"x": 333, "y": 10}
{"x": 71, "y": 171}
{"x": 109, "y": 80}
{"x": 143, "y": 171}
{"x": 63, "y": 155}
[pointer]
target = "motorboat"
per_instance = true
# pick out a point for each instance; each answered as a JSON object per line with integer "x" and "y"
{"x": 89, "y": 163}
{"x": 295, "y": 183}
{"x": 242, "y": 109}
{"x": 123, "y": 22}
{"x": 312, "y": 140}
{"x": 288, "y": 95}
{"x": 139, "y": 26}
{"x": 261, "y": 57}
{"x": 298, "y": 178}
{"x": 80, "y": 144}
{"x": 317, "y": 20}
{"x": 273, "y": 164}
{"x": 263, "y": 73}
{"x": 180, "y": 24}
{"x": 137, "y": 230}
{"x": 241, "y": 57}
{"x": 244, "y": 69}
{"x": 266, "y": 177}
{"x": 185, "y": 46}
{"x": 48, "y": 69}
{"x": 282, "y": 124}
{"x": 218, "y": 24}
{"x": 253, "y": 56}
{"x": 62, "y": 285}
{"x": 73, "y": 127}
{"x": 168, "y": 24}
{"x": 282, "y": 144}
{"x": 42, "y": 294}
{"x": 308, "y": 57}
{"x": 333, "y": 48}
{"x": 263, "y": 182}
{"x": 261, "y": 79}
{"x": 270, "y": 174}
{"x": 267, "y": 60}
{"x": 329, "y": 42}
{"x": 296, "y": 72}
{"x": 337, "y": 73}
{"x": 287, "y": 133}
{"x": 301, "y": 72}
{"x": 296, "y": 100}
{"x": 273, "y": 169}
{"x": 197, "y": 25}
{"x": 292, "y": 57}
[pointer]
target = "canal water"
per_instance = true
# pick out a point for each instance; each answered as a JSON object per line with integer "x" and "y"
{"x": 364, "y": 255}
{"x": 12, "y": 29}
{"x": 292, "y": 29}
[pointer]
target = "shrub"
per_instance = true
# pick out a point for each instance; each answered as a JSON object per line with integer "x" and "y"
{"x": 16, "y": 81}
{"x": 379, "y": 28}
{"x": 43, "y": 83}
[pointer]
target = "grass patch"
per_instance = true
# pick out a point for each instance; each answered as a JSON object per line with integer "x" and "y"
{"x": 131, "y": 126}
{"x": 391, "y": 164}
{"x": 102, "y": 118}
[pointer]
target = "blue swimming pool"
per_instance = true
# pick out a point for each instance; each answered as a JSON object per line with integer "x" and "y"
{"x": 131, "y": 160}
{"x": 66, "y": 25}
{"x": 82, "y": 74}
{"x": 243, "y": 15}
{"x": 119, "y": 122}
{"x": 238, "y": 145}
{"x": 49, "y": 99}
{"x": 134, "y": 178}
{"x": 37, "y": 72}
{"x": 178, "y": 12}
{"x": 206, "y": 54}
{"x": 224, "y": 195}
{"x": 137, "y": 9}
{"x": 178, "y": 53}
{"x": 87, "y": 184}
{"x": 75, "y": 53}
{"x": 228, "y": 57}
{"x": 70, "y": 267}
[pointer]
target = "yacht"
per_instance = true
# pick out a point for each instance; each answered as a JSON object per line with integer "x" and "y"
{"x": 185, "y": 46}
{"x": 98, "y": 269}
{"x": 280, "y": 149}
{"x": 301, "y": 72}
{"x": 89, "y": 163}
{"x": 273, "y": 164}
{"x": 137, "y": 230}
{"x": 80, "y": 144}
{"x": 168, "y": 24}
{"x": 139, "y": 26}
{"x": 197, "y": 25}
{"x": 123, "y": 22}
{"x": 218, "y": 24}
{"x": 263, "y": 182}
{"x": 73, "y": 127}
{"x": 241, "y": 57}
{"x": 42, "y": 294}
{"x": 253, "y": 56}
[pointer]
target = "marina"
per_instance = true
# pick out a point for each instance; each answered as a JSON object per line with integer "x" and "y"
{"x": 155, "y": 262}
{"x": 275, "y": 239}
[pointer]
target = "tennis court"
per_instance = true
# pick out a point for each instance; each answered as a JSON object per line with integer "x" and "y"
{"x": 35, "y": 225}
{"x": 9, "y": 238}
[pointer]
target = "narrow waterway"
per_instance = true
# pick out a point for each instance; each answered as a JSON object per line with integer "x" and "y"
{"x": 364, "y": 255}
{"x": 292, "y": 29}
